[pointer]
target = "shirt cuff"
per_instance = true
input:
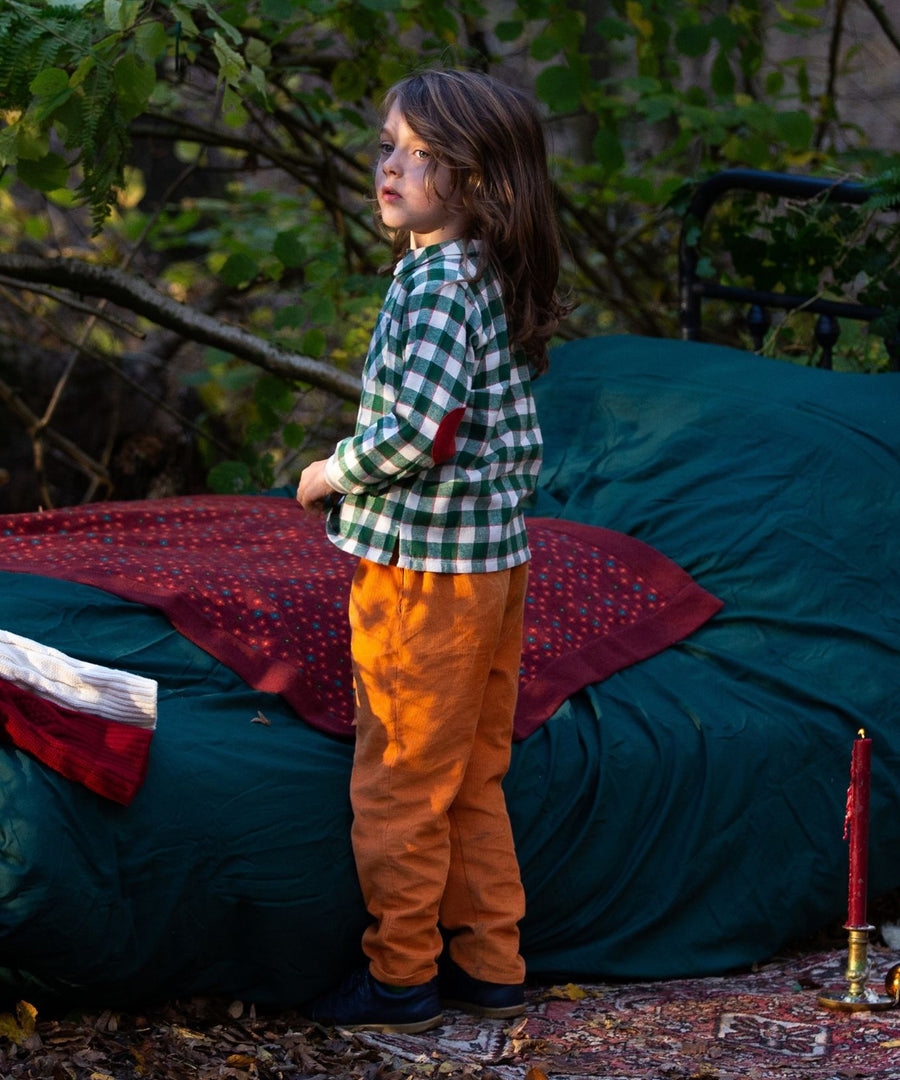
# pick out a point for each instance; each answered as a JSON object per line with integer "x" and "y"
{"x": 336, "y": 478}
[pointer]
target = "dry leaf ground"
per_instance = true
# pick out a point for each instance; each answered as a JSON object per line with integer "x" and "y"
{"x": 199, "y": 1039}
{"x": 211, "y": 1039}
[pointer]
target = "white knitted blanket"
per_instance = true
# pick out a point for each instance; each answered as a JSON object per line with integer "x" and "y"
{"x": 77, "y": 684}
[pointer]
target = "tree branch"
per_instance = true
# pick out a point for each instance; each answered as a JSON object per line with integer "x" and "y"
{"x": 828, "y": 108}
{"x": 75, "y": 305}
{"x": 133, "y": 293}
{"x": 33, "y": 425}
{"x": 877, "y": 10}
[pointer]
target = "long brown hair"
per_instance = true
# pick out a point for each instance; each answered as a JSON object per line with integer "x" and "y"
{"x": 489, "y": 136}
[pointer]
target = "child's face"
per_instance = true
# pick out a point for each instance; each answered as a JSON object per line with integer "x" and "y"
{"x": 405, "y": 201}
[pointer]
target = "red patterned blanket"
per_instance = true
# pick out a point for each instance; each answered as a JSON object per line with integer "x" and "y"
{"x": 254, "y": 581}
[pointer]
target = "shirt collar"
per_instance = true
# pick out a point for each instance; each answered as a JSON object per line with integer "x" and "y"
{"x": 419, "y": 256}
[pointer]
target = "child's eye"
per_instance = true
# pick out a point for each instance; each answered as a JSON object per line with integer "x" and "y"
{"x": 422, "y": 155}
{"x": 385, "y": 148}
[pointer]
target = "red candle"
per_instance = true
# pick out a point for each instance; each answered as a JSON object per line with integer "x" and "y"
{"x": 857, "y": 822}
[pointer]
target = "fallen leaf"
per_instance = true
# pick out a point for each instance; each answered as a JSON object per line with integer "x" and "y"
{"x": 20, "y": 1027}
{"x": 891, "y": 1044}
{"x": 534, "y": 1073}
{"x": 516, "y": 1030}
{"x": 569, "y": 992}
{"x": 240, "y": 1061}
{"x": 107, "y": 1021}
{"x": 261, "y": 718}
{"x": 186, "y": 1033}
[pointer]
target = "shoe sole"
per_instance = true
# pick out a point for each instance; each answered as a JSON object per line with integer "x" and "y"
{"x": 501, "y": 1012}
{"x": 413, "y": 1028}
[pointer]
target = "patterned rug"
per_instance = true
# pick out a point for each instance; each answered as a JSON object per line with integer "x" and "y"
{"x": 762, "y": 1025}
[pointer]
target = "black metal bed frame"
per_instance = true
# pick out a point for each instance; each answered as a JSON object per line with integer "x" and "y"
{"x": 693, "y": 289}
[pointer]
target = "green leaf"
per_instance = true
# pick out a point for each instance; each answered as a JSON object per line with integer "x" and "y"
{"x": 613, "y": 29}
{"x": 230, "y": 478}
{"x": 509, "y": 30}
{"x": 289, "y": 317}
{"x": 795, "y": 128}
{"x": 135, "y": 80}
{"x": 545, "y": 46}
{"x": 608, "y": 150}
{"x": 797, "y": 19}
{"x": 121, "y": 14}
{"x": 692, "y": 40}
{"x": 313, "y": 343}
{"x": 85, "y": 66}
{"x": 49, "y": 82}
{"x": 226, "y": 27}
{"x": 323, "y": 311}
{"x": 722, "y": 77}
{"x": 642, "y": 84}
{"x": 292, "y": 435}
{"x": 725, "y": 32}
{"x": 774, "y": 83}
{"x": 239, "y": 269}
{"x": 233, "y": 108}
{"x": 150, "y": 41}
{"x": 46, "y": 174}
{"x": 9, "y": 148}
{"x": 349, "y": 80}
{"x": 658, "y": 107}
{"x": 32, "y": 142}
{"x": 705, "y": 268}
{"x": 279, "y": 10}
{"x": 258, "y": 52}
{"x": 182, "y": 15}
{"x": 273, "y": 393}
{"x": 289, "y": 249}
{"x": 231, "y": 63}
{"x": 560, "y": 87}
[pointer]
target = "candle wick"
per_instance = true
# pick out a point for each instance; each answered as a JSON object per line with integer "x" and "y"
{"x": 861, "y": 733}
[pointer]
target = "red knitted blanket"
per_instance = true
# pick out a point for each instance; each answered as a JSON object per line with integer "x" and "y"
{"x": 254, "y": 581}
{"x": 109, "y": 758}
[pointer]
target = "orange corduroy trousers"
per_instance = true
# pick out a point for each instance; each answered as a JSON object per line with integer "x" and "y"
{"x": 436, "y": 667}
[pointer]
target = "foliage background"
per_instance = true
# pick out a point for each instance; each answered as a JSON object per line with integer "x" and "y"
{"x": 188, "y": 265}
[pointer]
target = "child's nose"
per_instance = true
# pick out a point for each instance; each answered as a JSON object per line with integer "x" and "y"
{"x": 391, "y": 163}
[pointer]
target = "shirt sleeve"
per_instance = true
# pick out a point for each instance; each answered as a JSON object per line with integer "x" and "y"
{"x": 418, "y": 430}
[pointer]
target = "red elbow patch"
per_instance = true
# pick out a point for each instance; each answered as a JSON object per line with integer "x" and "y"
{"x": 444, "y": 446}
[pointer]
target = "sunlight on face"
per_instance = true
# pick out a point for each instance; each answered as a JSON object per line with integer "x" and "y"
{"x": 405, "y": 197}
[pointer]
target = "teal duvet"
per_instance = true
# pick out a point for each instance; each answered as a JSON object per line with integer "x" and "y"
{"x": 682, "y": 817}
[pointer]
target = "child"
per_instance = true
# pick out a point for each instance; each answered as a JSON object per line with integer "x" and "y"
{"x": 431, "y": 486}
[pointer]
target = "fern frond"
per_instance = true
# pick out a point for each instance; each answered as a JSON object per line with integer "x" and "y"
{"x": 33, "y": 39}
{"x": 885, "y": 190}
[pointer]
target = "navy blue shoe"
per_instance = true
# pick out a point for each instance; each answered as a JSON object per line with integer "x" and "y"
{"x": 497, "y": 1001}
{"x": 362, "y": 1003}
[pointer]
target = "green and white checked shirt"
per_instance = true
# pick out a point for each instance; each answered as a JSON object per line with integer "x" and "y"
{"x": 447, "y": 443}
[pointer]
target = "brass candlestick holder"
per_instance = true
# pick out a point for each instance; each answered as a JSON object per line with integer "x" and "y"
{"x": 859, "y": 997}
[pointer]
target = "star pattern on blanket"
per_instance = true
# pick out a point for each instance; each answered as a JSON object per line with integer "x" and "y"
{"x": 255, "y": 582}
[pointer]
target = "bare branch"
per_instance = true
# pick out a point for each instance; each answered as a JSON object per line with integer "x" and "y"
{"x": 75, "y": 305}
{"x": 137, "y": 295}
{"x": 33, "y": 424}
{"x": 890, "y": 33}
{"x": 828, "y": 107}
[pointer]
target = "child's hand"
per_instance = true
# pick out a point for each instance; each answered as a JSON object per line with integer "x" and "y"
{"x": 314, "y": 489}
